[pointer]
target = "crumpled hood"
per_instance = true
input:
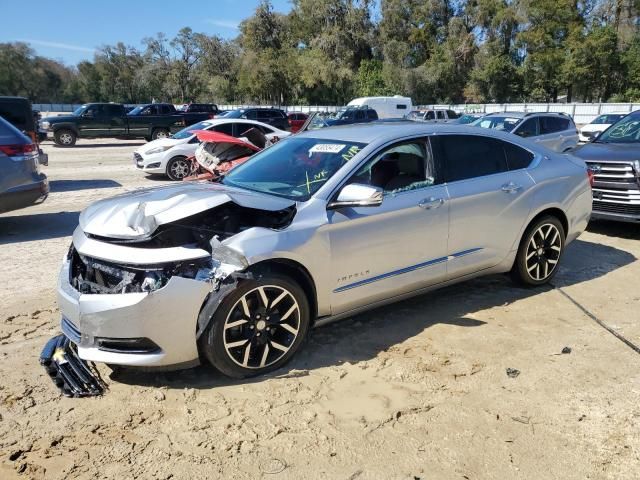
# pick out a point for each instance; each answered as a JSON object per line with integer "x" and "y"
{"x": 138, "y": 214}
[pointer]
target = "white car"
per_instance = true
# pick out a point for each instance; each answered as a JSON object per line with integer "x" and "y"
{"x": 168, "y": 156}
{"x": 599, "y": 125}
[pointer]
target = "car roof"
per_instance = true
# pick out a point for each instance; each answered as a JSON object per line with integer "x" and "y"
{"x": 388, "y": 131}
{"x": 219, "y": 121}
{"x": 526, "y": 114}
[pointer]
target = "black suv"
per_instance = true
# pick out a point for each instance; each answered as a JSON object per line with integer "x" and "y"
{"x": 271, "y": 116}
{"x": 199, "y": 107}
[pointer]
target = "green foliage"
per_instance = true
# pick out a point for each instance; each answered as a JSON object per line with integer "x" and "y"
{"x": 329, "y": 51}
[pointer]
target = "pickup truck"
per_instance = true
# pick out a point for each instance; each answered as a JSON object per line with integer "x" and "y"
{"x": 109, "y": 120}
{"x": 190, "y": 116}
{"x": 434, "y": 115}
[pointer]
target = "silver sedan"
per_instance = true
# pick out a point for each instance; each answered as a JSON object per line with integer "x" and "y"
{"x": 318, "y": 227}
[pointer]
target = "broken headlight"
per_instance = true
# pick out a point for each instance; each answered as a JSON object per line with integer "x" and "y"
{"x": 92, "y": 276}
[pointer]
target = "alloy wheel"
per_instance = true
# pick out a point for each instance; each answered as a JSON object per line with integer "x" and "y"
{"x": 179, "y": 169}
{"x": 66, "y": 138}
{"x": 543, "y": 252}
{"x": 261, "y": 327}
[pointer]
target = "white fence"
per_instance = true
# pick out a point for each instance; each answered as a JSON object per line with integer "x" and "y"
{"x": 581, "y": 112}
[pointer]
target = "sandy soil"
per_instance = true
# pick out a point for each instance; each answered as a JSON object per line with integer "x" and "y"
{"x": 414, "y": 390}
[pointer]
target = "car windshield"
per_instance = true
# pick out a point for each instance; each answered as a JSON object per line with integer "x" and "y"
{"x": 505, "y": 123}
{"x": 607, "y": 119}
{"x": 80, "y": 110}
{"x": 294, "y": 168}
{"x": 626, "y": 130}
{"x": 465, "y": 119}
{"x": 187, "y": 132}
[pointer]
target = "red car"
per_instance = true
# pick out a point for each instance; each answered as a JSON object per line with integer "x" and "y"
{"x": 296, "y": 120}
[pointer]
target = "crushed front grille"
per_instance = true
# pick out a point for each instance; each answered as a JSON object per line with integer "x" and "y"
{"x": 88, "y": 275}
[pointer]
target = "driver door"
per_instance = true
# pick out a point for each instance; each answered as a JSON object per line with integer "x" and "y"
{"x": 399, "y": 246}
{"x": 93, "y": 122}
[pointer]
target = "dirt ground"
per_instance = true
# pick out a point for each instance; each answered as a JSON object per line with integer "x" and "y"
{"x": 414, "y": 390}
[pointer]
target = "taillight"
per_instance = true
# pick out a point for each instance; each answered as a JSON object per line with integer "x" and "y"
{"x": 13, "y": 150}
{"x": 211, "y": 116}
{"x": 591, "y": 176}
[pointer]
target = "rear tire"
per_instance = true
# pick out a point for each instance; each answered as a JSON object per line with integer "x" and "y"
{"x": 178, "y": 168}
{"x": 257, "y": 328}
{"x": 159, "y": 133}
{"x": 64, "y": 138}
{"x": 539, "y": 253}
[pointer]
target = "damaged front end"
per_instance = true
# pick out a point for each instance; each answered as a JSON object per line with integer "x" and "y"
{"x": 146, "y": 271}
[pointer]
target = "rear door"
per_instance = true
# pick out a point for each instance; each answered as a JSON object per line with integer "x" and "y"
{"x": 556, "y": 133}
{"x": 489, "y": 199}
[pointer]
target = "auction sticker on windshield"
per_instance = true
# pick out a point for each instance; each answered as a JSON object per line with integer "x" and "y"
{"x": 327, "y": 148}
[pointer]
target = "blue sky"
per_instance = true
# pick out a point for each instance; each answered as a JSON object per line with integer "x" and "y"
{"x": 71, "y": 30}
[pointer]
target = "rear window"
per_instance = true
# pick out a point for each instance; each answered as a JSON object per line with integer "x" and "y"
{"x": 517, "y": 157}
{"x": 18, "y": 113}
{"x": 226, "y": 128}
{"x": 10, "y": 134}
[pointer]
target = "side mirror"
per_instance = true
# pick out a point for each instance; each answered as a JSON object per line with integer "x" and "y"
{"x": 358, "y": 195}
{"x": 522, "y": 133}
{"x": 88, "y": 114}
{"x": 594, "y": 136}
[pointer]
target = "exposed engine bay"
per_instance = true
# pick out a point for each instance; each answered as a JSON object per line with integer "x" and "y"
{"x": 198, "y": 230}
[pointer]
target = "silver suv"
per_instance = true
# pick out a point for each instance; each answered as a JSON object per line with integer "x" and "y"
{"x": 21, "y": 182}
{"x": 322, "y": 225}
{"x": 555, "y": 131}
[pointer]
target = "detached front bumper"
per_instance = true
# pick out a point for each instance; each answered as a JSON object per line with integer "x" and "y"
{"x": 156, "y": 329}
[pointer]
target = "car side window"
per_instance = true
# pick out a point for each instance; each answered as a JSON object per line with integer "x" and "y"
{"x": 528, "y": 128}
{"x": 226, "y": 128}
{"x": 440, "y": 115}
{"x": 399, "y": 168}
{"x": 517, "y": 157}
{"x": 470, "y": 156}
{"x": 553, "y": 124}
{"x": 451, "y": 114}
{"x": 251, "y": 115}
{"x": 430, "y": 115}
{"x": 360, "y": 115}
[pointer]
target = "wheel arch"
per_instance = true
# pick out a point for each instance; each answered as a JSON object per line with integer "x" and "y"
{"x": 56, "y": 127}
{"x": 297, "y": 272}
{"x": 554, "y": 212}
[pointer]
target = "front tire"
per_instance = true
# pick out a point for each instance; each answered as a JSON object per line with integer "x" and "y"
{"x": 178, "y": 168}
{"x": 539, "y": 252}
{"x": 257, "y": 328}
{"x": 64, "y": 138}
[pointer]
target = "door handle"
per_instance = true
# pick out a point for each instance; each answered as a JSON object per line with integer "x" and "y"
{"x": 511, "y": 187}
{"x": 431, "y": 203}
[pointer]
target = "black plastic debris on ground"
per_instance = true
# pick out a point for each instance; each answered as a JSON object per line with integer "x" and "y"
{"x": 72, "y": 375}
{"x": 512, "y": 372}
{"x": 566, "y": 350}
